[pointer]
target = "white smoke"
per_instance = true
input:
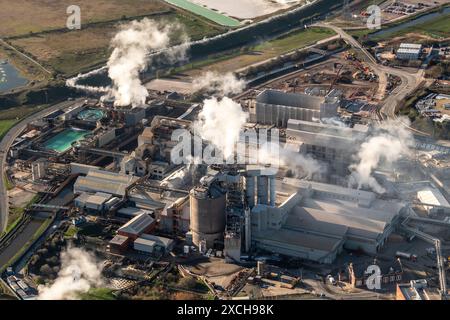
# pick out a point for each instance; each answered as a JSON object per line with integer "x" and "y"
{"x": 79, "y": 272}
{"x": 180, "y": 47}
{"x": 131, "y": 56}
{"x": 389, "y": 142}
{"x": 222, "y": 84}
{"x": 303, "y": 166}
{"x": 220, "y": 122}
{"x": 73, "y": 82}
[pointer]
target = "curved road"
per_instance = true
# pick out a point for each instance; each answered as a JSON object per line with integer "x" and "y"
{"x": 409, "y": 81}
{"x": 5, "y": 145}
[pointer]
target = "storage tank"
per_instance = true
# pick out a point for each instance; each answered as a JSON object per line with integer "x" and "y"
{"x": 207, "y": 214}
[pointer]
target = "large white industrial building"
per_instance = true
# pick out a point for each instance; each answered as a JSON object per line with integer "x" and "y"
{"x": 409, "y": 51}
{"x": 277, "y": 107}
{"x": 319, "y": 220}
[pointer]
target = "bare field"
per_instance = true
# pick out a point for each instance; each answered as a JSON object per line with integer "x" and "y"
{"x": 21, "y": 17}
{"x": 78, "y": 50}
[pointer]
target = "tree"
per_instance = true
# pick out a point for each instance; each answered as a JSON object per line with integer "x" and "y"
{"x": 34, "y": 259}
{"x": 188, "y": 283}
{"x": 46, "y": 270}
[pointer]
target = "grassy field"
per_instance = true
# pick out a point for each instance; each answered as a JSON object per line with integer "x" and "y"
{"x": 75, "y": 51}
{"x": 71, "y": 231}
{"x": 21, "y": 17}
{"x": 438, "y": 28}
{"x": 5, "y": 125}
{"x": 98, "y": 294}
{"x": 261, "y": 52}
{"x": 39, "y": 30}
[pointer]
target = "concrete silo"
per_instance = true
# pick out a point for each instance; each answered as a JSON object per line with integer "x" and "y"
{"x": 207, "y": 214}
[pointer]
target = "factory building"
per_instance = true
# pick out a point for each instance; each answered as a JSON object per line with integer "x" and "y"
{"x": 131, "y": 212}
{"x": 276, "y": 107}
{"x": 334, "y": 145}
{"x": 409, "y": 51}
{"x": 137, "y": 226}
{"x": 207, "y": 212}
{"x": 94, "y": 203}
{"x": 318, "y": 221}
{"x": 175, "y": 218}
{"x": 97, "y": 180}
{"x": 433, "y": 201}
{"x": 150, "y": 244}
{"x": 417, "y": 290}
{"x": 119, "y": 244}
{"x": 38, "y": 169}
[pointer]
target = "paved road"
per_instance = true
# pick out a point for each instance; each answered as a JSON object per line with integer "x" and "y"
{"x": 5, "y": 145}
{"x": 25, "y": 56}
{"x": 409, "y": 81}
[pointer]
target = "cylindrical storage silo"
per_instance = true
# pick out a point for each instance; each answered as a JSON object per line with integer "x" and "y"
{"x": 207, "y": 215}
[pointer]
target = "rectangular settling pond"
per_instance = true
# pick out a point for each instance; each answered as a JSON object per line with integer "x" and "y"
{"x": 63, "y": 140}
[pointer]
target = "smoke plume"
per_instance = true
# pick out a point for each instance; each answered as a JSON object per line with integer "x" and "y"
{"x": 389, "y": 142}
{"x": 132, "y": 47}
{"x": 220, "y": 122}
{"x": 73, "y": 82}
{"x": 79, "y": 272}
{"x": 303, "y": 166}
{"x": 221, "y": 84}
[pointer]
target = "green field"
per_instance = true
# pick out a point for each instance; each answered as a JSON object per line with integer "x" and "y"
{"x": 205, "y": 12}
{"x": 264, "y": 51}
{"x": 295, "y": 40}
{"x": 438, "y": 28}
{"x": 5, "y": 125}
{"x": 98, "y": 294}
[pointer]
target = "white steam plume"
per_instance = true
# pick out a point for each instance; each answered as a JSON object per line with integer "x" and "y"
{"x": 131, "y": 56}
{"x": 220, "y": 122}
{"x": 79, "y": 272}
{"x": 222, "y": 84}
{"x": 388, "y": 144}
{"x": 303, "y": 166}
{"x": 73, "y": 82}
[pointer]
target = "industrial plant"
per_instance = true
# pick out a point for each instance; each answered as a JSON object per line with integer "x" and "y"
{"x": 287, "y": 181}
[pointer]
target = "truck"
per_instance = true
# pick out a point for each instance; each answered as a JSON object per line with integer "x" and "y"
{"x": 406, "y": 255}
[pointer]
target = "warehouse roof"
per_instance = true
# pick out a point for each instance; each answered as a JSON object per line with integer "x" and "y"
{"x": 333, "y": 223}
{"x": 364, "y": 198}
{"x": 137, "y": 225}
{"x": 161, "y": 241}
{"x": 308, "y": 241}
{"x": 432, "y": 196}
{"x": 133, "y": 212}
{"x": 118, "y": 240}
{"x": 145, "y": 242}
{"x": 104, "y": 181}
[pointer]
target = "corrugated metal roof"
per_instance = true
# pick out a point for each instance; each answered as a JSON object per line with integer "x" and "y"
{"x": 137, "y": 225}
{"x": 432, "y": 196}
{"x": 104, "y": 181}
